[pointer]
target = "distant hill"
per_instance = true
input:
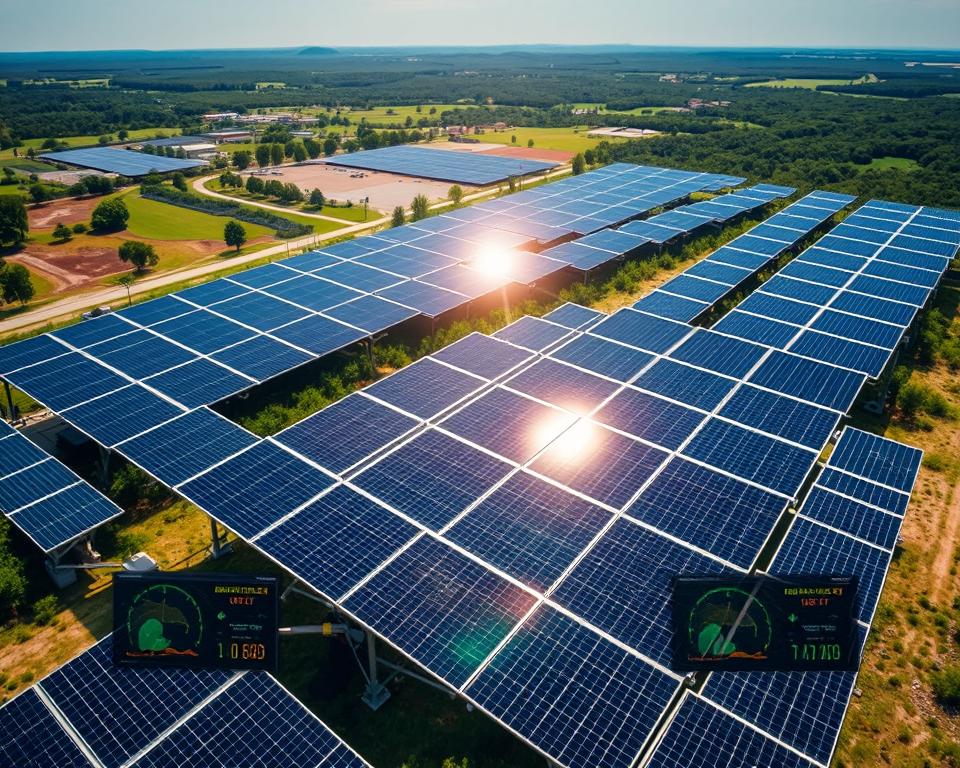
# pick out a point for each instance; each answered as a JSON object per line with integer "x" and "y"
{"x": 316, "y": 50}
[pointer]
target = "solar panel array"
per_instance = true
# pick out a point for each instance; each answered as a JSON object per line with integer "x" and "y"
{"x": 123, "y": 161}
{"x": 117, "y": 376}
{"x": 43, "y": 498}
{"x": 850, "y": 298}
{"x": 91, "y": 713}
{"x": 476, "y": 168}
{"x": 700, "y": 287}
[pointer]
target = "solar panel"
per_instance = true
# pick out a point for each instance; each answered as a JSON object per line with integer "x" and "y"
{"x": 577, "y": 697}
{"x": 573, "y": 316}
{"x": 336, "y": 540}
{"x": 311, "y": 292}
{"x": 31, "y": 736}
{"x": 208, "y": 294}
{"x": 482, "y": 355}
{"x": 203, "y": 331}
{"x": 117, "y": 416}
{"x": 261, "y": 358}
{"x": 777, "y": 308}
{"x": 311, "y": 261}
{"x": 199, "y": 382}
{"x": 28, "y": 352}
{"x": 810, "y": 380}
{"x": 529, "y": 529}
{"x": 864, "y": 522}
{"x": 66, "y": 381}
{"x": 92, "y": 331}
{"x": 425, "y": 388}
{"x": 260, "y": 311}
{"x": 256, "y": 488}
{"x": 440, "y": 608}
{"x": 762, "y": 330}
{"x": 35, "y": 482}
{"x": 719, "y": 353}
{"x": 371, "y": 314}
{"x": 123, "y": 162}
{"x": 859, "y": 329}
{"x": 888, "y": 289}
{"x": 428, "y": 299}
{"x": 649, "y": 418}
{"x": 370, "y": 425}
{"x": 563, "y": 385}
{"x": 708, "y": 510}
{"x": 788, "y": 287}
{"x": 877, "y": 459}
{"x": 696, "y": 288}
{"x": 781, "y": 416}
{"x": 865, "y": 491}
{"x": 64, "y": 515}
{"x": 721, "y": 273}
{"x": 689, "y": 385}
{"x": 359, "y": 276}
{"x": 847, "y": 354}
{"x": 672, "y": 307}
{"x": 18, "y": 452}
{"x": 532, "y": 333}
{"x": 186, "y": 446}
{"x": 607, "y": 358}
{"x": 641, "y": 330}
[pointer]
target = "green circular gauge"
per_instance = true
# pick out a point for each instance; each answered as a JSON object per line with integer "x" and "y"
{"x": 720, "y": 628}
{"x": 164, "y": 620}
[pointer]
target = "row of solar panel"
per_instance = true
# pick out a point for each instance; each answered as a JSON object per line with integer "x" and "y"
{"x": 599, "y": 248}
{"x": 850, "y": 298}
{"x": 701, "y": 286}
{"x": 160, "y": 717}
{"x": 42, "y": 497}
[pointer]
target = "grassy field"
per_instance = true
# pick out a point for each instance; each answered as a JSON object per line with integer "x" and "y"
{"x": 354, "y": 214}
{"x": 155, "y": 220}
{"x": 80, "y": 141}
{"x": 635, "y": 111}
{"x": 811, "y": 83}
{"x": 900, "y": 163}
{"x": 565, "y": 139}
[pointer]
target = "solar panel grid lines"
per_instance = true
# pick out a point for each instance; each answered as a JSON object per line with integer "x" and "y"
{"x": 33, "y": 734}
{"x": 877, "y": 459}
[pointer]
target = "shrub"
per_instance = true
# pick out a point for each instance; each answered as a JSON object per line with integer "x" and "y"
{"x": 946, "y": 685}
{"x": 110, "y": 216}
{"x": 45, "y": 610}
{"x": 79, "y": 228}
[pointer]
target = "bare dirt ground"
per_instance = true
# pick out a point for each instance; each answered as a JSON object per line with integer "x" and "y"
{"x": 533, "y": 153}
{"x": 67, "y": 211}
{"x": 385, "y": 190}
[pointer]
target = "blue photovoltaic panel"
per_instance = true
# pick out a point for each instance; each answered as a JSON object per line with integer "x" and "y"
{"x": 825, "y": 258}
{"x": 604, "y": 357}
{"x": 782, "y": 416}
{"x": 359, "y": 277}
{"x": 816, "y": 274}
{"x": 532, "y": 333}
{"x": 602, "y": 464}
{"x": 335, "y": 541}
{"x": 811, "y": 548}
{"x": 441, "y": 608}
{"x": 849, "y": 516}
{"x": 730, "y": 255}
{"x": 119, "y": 711}
{"x": 262, "y": 276}
{"x": 762, "y": 330}
{"x": 260, "y": 311}
{"x": 671, "y": 307}
{"x": 924, "y": 277}
{"x": 113, "y": 418}
{"x": 18, "y": 452}
{"x": 719, "y": 353}
{"x": 508, "y": 424}
{"x": 748, "y": 454}
{"x": 432, "y": 478}
{"x": 471, "y": 283}
{"x": 28, "y": 352}
{"x": 574, "y": 316}
{"x": 203, "y": 331}
{"x": 625, "y": 582}
{"x": 254, "y": 721}
{"x": 93, "y": 331}
{"x": 473, "y": 168}
{"x": 933, "y": 247}
{"x": 121, "y": 161}
{"x": 210, "y": 293}
{"x": 557, "y": 678}
{"x": 311, "y": 292}
{"x": 425, "y": 388}
{"x": 721, "y": 273}
{"x": 877, "y": 458}
{"x": 529, "y": 529}
{"x": 156, "y": 310}
{"x": 868, "y": 331}
{"x": 371, "y": 314}
{"x": 140, "y": 354}
{"x": 888, "y": 289}
{"x": 200, "y": 382}
{"x": 879, "y": 309}
{"x": 936, "y": 264}
{"x": 777, "y": 308}
{"x": 563, "y": 385}
{"x": 31, "y": 736}
{"x": 66, "y": 381}
{"x": 261, "y": 358}
{"x": 311, "y": 261}
{"x": 650, "y": 418}
{"x": 62, "y": 517}
{"x": 787, "y": 287}
{"x": 864, "y": 490}
{"x": 846, "y": 229}
{"x": 810, "y": 380}
{"x": 370, "y": 427}
{"x": 428, "y": 299}
{"x": 641, "y": 330}
{"x": 758, "y": 245}
{"x": 34, "y": 482}
{"x": 483, "y": 355}
{"x": 711, "y": 511}
{"x": 689, "y": 385}
{"x": 186, "y": 446}
{"x": 702, "y": 736}
{"x": 319, "y": 335}
{"x": 696, "y": 288}
{"x": 842, "y": 352}
{"x": 256, "y": 488}
{"x": 851, "y": 247}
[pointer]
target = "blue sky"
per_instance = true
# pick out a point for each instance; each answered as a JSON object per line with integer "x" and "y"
{"x": 107, "y": 24}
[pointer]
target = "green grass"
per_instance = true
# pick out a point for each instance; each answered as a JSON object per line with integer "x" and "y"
{"x": 635, "y": 111}
{"x": 900, "y": 163}
{"x": 798, "y": 82}
{"x": 25, "y": 165}
{"x": 564, "y": 139}
{"x": 161, "y": 221}
{"x": 80, "y": 141}
{"x": 353, "y": 214}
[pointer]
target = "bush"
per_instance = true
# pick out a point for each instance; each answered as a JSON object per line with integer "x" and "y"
{"x": 62, "y": 233}
{"x": 946, "y": 685}
{"x": 45, "y": 610}
{"x": 79, "y": 228}
{"x": 110, "y": 216}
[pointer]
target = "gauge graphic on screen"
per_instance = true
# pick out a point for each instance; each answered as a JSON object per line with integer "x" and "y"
{"x": 729, "y": 623}
{"x": 164, "y": 620}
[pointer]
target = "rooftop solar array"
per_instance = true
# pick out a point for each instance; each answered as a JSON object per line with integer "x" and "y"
{"x": 91, "y": 713}
{"x": 123, "y": 161}
{"x": 43, "y": 498}
{"x": 850, "y": 298}
{"x": 700, "y": 287}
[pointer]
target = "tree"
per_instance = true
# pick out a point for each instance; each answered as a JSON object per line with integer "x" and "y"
{"x": 110, "y": 216}
{"x": 254, "y": 185}
{"x": 330, "y": 144}
{"x": 291, "y": 193}
{"x": 14, "y": 224}
{"x": 141, "y": 255}
{"x": 399, "y": 217}
{"x": 103, "y": 141}
{"x": 578, "y": 165}
{"x": 513, "y": 139}
{"x": 262, "y": 153}
{"x": 234, "y": 234}
{"x": 39, "y": 193}
{"x": 276, "y": 153}
{"x": 16, "y": 284}
{"x": 122, "y": 134}
{"x": 313, "y": 148}
{"x": 13, "y": 582}
{"x": 241, "y": 160}
{"x": 299, "y": 152}
{"x": 590, "y": 157}
{"x": 79, "y": 228}
{"x": 529, "y": 142}
{"x": 316, "y": 198}
{"x": 273, "y": 188}
{"x": 419, "y": 208}
{"x": 126, "y": 281}
{"x": 62, "y": 232}
{"x": 179, "y": 181}
{"x": 9, "y": 175}
{"x": 455, "y": 194}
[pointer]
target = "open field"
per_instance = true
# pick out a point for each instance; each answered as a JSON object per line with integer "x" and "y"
{"x": 810, "y": 83}
{"x": 565, "y": 139}
{"x": 635, "y": 111}
{"x": 352, "y": 214}
{"x": 154, "y": 220}
{"x": 82, "y": 141}
{"x": 900, "y": 163}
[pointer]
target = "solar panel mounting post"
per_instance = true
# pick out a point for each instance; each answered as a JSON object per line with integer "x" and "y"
{"x": 217, "y": 548}
{"x": 12, "y": 414}
{"x": 376, "y": 693}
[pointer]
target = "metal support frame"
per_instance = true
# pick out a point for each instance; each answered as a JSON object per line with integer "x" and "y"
{"x": 105, "y": 454}
{"x": 217, "y": 547}
{"x": 376, "y": 693}
{"x": 12, "y": 411}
